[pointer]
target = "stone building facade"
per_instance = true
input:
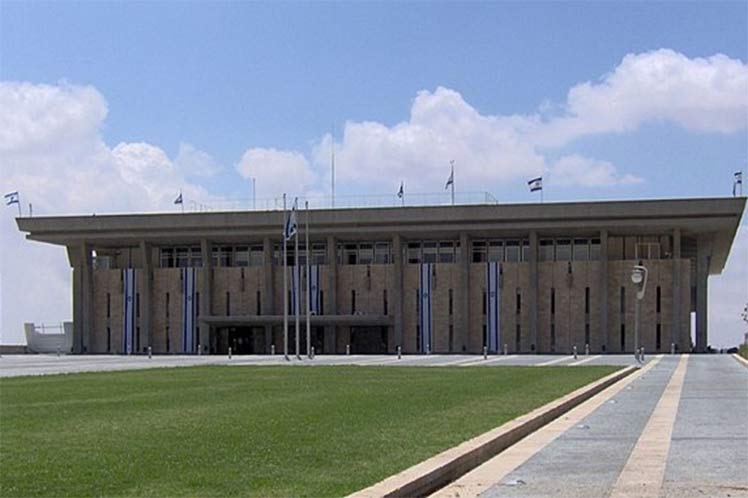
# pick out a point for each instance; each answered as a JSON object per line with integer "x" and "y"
{"x": 563, "y": 277}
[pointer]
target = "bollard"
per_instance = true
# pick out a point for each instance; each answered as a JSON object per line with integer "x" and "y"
{"x": 150, "y": 352}
{"x": 506, "y": 349}
{"x": 311, "y": 355}
{"x": 58, "y": 352}
{"x": 672, "y": 348}
{"x": 229, "y": 353}
{"x": 199, "y": 350}
{"x": 428, "y": 348}
{"x": 641, "y": 355}
{"x": 347, "y": 349}
{"x": 485, "y": 352}
{"x": 272, "y": 349}
{"x": 399, "y": 353}
{"x": 586, "y": 349}
{"x": 575, "y": 352}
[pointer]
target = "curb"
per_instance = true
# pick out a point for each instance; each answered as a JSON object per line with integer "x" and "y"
{"x": 742, "y": 360}
{"x": 436, "y": 472}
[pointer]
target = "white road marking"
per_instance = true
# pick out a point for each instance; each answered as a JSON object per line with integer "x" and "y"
{"x": 553, "y": 362}
{"x": 489, "y": 361}
{"x": 582, "y": 362}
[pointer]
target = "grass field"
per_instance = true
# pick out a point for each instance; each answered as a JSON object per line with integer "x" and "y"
{"x": 251, "y": 431}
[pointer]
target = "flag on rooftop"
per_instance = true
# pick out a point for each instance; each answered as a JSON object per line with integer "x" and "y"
{"x": 536, "y": 184}
{"x": 450, "y": 180}
{"x": 289, "y": 229}
{"x": 178, "y": 200}
{"x": 738, "y": 180}
{"x": 401, "y": 192}
{"x": 12, "y": 198}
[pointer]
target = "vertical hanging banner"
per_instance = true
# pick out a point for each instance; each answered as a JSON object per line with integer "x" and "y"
{"x": 128, "y": 310}
{"x": 295, "y": 276}
{"x": 314, "y": 290}
{"x": 424, "y": 319}
{"x": 189, "y": 311}
{"x": 492, "y": 306}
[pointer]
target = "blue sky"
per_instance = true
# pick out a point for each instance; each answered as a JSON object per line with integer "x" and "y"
{"x": 605, "y": 99}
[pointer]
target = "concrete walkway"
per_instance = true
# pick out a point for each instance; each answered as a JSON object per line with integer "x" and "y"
{"x": 39, "y": 364}
{"x": 679, "y": 428}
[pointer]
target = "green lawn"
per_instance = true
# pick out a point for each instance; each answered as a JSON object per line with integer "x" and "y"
{"x": 241, "y": 431}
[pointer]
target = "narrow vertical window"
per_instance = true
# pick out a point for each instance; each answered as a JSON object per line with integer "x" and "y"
{"x": 384, "y": 302}
{"x": 451, "y": 308}
{"x": 258, "y": 303}
{"x": 321, "y": 302}
{"x": 418, "y": 302}
{"x": 108, "y": 307}
{"x": 137, "y": 339}
{"x": 659, "y": 298}
{"x": 353, "y": 302}
{"x": 137, "y": 304}
{"x": 108, "y": 339}
{"x": 167, "y": 305}
{"x": 168, "y": 346}
{"x": 587, "y": 300}
{"x": 484, "y": 302}
{"x": 623, "y": 337}
{"x": 553, "y": 300}
{"x": 451, "y": 338}
{"x": 519, "y": 301}
{"x": 197, "y": 304}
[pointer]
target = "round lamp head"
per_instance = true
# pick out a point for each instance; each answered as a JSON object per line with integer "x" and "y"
{"x": 637, "y": 277}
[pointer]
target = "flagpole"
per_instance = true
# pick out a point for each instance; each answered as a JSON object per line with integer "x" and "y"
{"x": 285, "y": 282}
{"x": 453, "y": 182}
{"x": 297, "y": 296}
{"x": 308, "y": 288}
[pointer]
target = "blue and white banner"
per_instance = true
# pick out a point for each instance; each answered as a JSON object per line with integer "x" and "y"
{"x": 425, "y": 342}
{"x": 128, "y": 310}
{"x": 189, "y": 309}
{"x": 314, "y": 290}
{"x": 493, "y": 298}
{"x": 295, "y": 276}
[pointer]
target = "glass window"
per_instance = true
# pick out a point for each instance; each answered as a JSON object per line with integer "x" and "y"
{"x": 319, "y": 253}
{"x": 382, "y": 253}
{"x": 495, "y": 250}
{"x": 429, "y": 252}
{"x": 479, "y": 251}
{"x": 350, "y": 254}
{"x": 581, "y": 250}
{"x": 365, "y": 253}
{"x": 545, "y": 251}
{"x": 595, "y": 249}
{"x": 525, "y": 250}
{"x": 241, "y": 256}
{"x": 196, "y": 257}
{"x": 167, "y": 258}
{"x": 446, "y": 252}
{"x": 256, "y": 255}
{"x": 563, "y": 250}
{"x": 414, "y": 252}
{"x": 512, "y": 251}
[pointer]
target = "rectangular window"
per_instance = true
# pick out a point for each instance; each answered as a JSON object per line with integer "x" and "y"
{"x": 137, "y": 339}
{"x": 545, "y": 251}
{"x": 595, "y": 249}
{"x": 182, "y": 257}
{"x": 479, "y": 251}
{"x": 519, "y": 302}
{"x": 512, "y": 251}
{"x": 166, "y": 332}
{"x": 518, "y": 335}
{"x": 137, "y": 304}
{"x": 587, "y": 300}
{"x": 167, "y": 258}
{"x": 495, "y": 250}
{"x": 525, "y": 250}
{"x": 451, "y": 303}
{"x": 563, "y": 250}
{"x": 256, "y": 255}
{"x": 319, "y": 253}
{"x": 384, "y": 302}
{"x": 222, "y": 256}
{"x": 108, "y": 305}
{"x": 623, "y": 300}
{"x": 382, "y": 253}
{"x": 350, "y": 254}
{"x": 196, "y": 257}
{"x": 429, "y": 252}
{"x": 581, "y": 250}
{"x": 485, "y": 335}
{"x": 321, "y": 302}
{"x": 365, "y": 253}
{"x": 414, "y": 252}
{"x": 228, "y": 303}
{"x": 553, "y": 300}
{"x": 658, "y": 342}
{"x": 167, "y": 305}
{"x": 418, "y": 302}
{"x": 353, "y": 302}
{"x": 659, "y": 299}
{"x": 241, "y": 256}
{"x": 451, "y": 338}
{"x": 446, "y": 252}
{"x": 197, "y": 304}
{"x": 623, "y": 337}
{"x": 108, "y": 339}
{"x": 484, "y": 302}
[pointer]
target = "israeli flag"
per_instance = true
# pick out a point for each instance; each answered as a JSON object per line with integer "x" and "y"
{"x": 178, "y": 200}
{"x": 493, "y": 308}
{"x": 737, "y": 181}
{"x": 315, "y": 307}
{"x": 128, "y": 308}
{"x": 425, "y": 342}
{"x": 536, "y": 184}
{"x": 290, "y": 227}
{"x": 401, "y": 192}
{"x": 451, "y": 179}
{"x": 12, "y": 198}
{"x": 189, "y": 309}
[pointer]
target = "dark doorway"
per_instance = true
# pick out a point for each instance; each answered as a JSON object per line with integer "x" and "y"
{"x": 241, "y": 340}
{"x": 369, "y": 340}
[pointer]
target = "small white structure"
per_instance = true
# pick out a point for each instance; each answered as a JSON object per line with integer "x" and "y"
{"x": 49, "y": 338}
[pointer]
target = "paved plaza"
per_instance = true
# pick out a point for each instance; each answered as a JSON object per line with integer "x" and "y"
{"x": 678, "y": 428}
{"x": 40, "y": 364}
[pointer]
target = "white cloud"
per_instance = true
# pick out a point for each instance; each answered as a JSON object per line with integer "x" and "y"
{"x": 193, "y": 162}
{"x": 52, "y": 152}
{"x": 585, "y": 172}
{"x": 277, "y": 171}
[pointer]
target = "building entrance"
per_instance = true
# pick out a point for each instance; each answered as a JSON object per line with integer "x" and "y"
{"x": 369, "y": 340}
{"x": 241, "y": 340}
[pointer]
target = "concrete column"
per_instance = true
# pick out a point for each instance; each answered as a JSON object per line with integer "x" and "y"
{"x": 397, "y": 291}
{"x": 463, "y": 327}
{"x": 703, "y": 258}
{"x": 677, "y": 306}
{"x": 206, "y": 290}
{"x": 146, "y": 292}
{"x": 267, "y": 300}
{"x": 532, "y": 292}
{"x": 80, "y": 259}
{"x": 604, "y": 289}
{"x": 331, "y": 296}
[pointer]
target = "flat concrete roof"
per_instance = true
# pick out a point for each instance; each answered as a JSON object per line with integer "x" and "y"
{"x": 716, "y": 216}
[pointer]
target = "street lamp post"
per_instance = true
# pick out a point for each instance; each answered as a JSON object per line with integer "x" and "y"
{"x": 639, "y": 278}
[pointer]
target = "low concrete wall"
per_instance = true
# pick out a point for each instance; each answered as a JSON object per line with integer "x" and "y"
{"x": 13, "y": 349}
